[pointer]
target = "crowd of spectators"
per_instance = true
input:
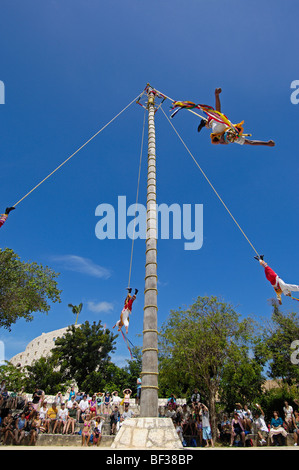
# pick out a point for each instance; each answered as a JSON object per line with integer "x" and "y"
{"x": 193, "y": 426}
{"x": 75, "y": 413}
{"x": 23, "y": 419}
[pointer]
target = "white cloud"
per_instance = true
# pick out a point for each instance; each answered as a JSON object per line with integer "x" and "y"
{"x": 100, "y": 307}
{"x": 82, "y": 265}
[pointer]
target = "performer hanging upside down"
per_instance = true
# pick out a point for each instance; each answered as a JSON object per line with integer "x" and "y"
{"x": 278, "y": 284}
{"x": 4, "y": 216}
{"x": 224, "y": 134}
{"x": 126, "y": 311}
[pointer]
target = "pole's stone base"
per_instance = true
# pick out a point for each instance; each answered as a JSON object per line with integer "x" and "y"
{"x": 147, "y": 433}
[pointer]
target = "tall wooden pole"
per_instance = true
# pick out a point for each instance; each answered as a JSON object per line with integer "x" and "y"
{"x": 149, "y": 388}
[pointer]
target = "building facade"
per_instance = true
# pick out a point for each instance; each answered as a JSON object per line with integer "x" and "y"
{"x": 39, "y": 347}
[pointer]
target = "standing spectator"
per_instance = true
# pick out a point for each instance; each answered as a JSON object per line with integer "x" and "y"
{"x": 115, "y": 399}
{"x": 277, "y": 427}
{"x": 288, "y": 415}
{"x": 72, "y": 393}
{"x": 59, "y": 399}
{"x": 100, "y": 401}
{"x": 248, "y": 419}
{"x": 93, "y": 406}
{"x": 114, "y": 420}
{"x": 127, "y": 395}
{"x": 37, "y": 397}
{"x": 237, "y": 428}
{"x": 206, "y": 428}
{"x": 260, "y": 425}
{"x": 107, "y": 401}
{"x": 138, "y": 395}
{"x": 82, "y": 408}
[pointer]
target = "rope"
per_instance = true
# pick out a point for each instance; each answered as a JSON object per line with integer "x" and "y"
{"x": 73, "y": 154}
{"x": 209, "y": 182}
{"x": 137, "y": 194}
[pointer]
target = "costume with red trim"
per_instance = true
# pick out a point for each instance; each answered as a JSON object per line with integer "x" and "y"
{"x": 278, "y": 284}
{"x": 126, "y": 311}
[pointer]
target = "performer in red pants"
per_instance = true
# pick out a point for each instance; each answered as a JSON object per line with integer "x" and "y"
{"x": 278, "y": 284}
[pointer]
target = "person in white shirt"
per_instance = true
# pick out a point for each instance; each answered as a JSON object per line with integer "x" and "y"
{"x": 260, "y": 425}
{"x": 62, "y": 418}
{"x": 83, "y": 407}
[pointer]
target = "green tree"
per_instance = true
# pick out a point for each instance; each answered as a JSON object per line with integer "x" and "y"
{"x": 198, "y": 343}
{"x": 274, "y": 348}
{"x": 83, "y": 353}
{"x": 25, "y": 288}
{"x": 14, "y": 376}
{"x": 76, "y": 309}
{"x": 44, "y": 374}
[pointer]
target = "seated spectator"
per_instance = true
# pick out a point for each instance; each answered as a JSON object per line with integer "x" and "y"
{"x": 172, "y": 401}
{"x": 260, "y": 425}
{"x": 170, "y": 412}
{"x": 72, "y": 415}
{"x": 277, "y": 428}
{"x": 225, "y": 429}
{"x": 128, "y": 413}
{"x": 37, "y": 397}
{"x": 34, "y": 428}
{"x": 237, "y": 428}
{"x": 20, "y": 426}
{"x": 52, "y": 417}
{"x": 8, "y": 427}
{"x": 61, "y": 421}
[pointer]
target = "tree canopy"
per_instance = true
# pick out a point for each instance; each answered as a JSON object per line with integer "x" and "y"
{"x": 25, "y": 288}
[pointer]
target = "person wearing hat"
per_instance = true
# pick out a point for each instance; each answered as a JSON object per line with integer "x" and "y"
{"x": 278, "y": 284}
{"x": 126, "y": 311}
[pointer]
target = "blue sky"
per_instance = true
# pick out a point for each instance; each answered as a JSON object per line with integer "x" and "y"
{"x": 68, "y": 68}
